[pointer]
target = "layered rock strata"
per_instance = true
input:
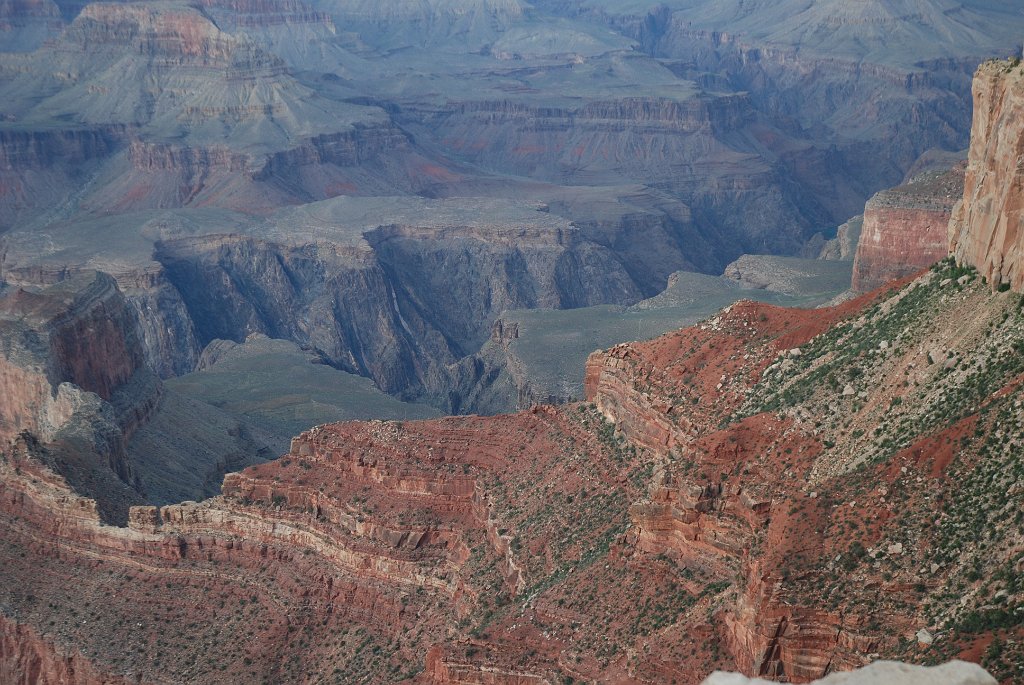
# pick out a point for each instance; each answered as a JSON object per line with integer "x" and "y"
{"x": 51, "y": 335}
{"x": 905, "y": 228}
{"x": 698, "y": 513}
{"x": 74, "y": 376}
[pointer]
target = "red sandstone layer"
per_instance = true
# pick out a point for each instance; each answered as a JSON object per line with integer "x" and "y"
{"x": 905, "y": 229}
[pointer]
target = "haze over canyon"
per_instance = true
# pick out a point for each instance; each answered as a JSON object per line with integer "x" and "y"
{"x": 509, "y": 343}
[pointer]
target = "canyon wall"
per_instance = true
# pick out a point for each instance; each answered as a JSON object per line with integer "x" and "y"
{"x": 74, "y": 376}
{"x": 686, "y": 146}
{"x": 783, "y": 492}
{"x": 399, "y": 307}
{"x": 905, "y": 228}
{"x": 986, "y": 229}
{"x": 890, "y": 110}
{"x": 73, "y": 338}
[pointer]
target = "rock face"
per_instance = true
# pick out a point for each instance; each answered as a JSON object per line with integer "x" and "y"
{"x": 79, "y": 333}
{"x": 986, "y": 230}
{"x": 905, "y": 228}
{"x": 667, "y": 395}
{"x": 400, "y": 306}
{"x": 198, "y": 135}
{"x": 72, "y": 370}
{"x": 779, "y": 54}
{"x": 841, "y": 248}
{"x": 883, "y": 673}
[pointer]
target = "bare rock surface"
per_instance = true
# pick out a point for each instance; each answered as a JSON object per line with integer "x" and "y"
{"x": 882, "y": 673}
{"x": 905, "y": 228}
{"x": 987, "y": 229}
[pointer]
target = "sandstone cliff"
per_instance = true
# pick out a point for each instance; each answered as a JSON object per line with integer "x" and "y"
{"x": 905, "y": 228}
{"x": 986, "y": 229}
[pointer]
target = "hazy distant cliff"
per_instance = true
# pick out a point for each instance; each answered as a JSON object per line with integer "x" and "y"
{"x": 985, "y": 230}
{"x": 905, "y": 228}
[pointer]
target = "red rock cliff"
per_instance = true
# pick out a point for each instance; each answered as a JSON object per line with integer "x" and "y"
{"x": 905, "y": 228}
{"x": 986, "y": 228}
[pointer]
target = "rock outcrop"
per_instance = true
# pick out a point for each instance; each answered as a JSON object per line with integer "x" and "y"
{"x": 883, "y": 673}
{"x": 72, "y": 366}
{"x": 841, "y": 248}
{"x": 905, "y": 228}
{"x": 987, "y": 229}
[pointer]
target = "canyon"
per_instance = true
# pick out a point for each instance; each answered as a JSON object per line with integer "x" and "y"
{"x": 780, "y": 491}
{"x": 251, "y": 250}
{"x": 655, "y": 141}
{"x": 636, "y": 537}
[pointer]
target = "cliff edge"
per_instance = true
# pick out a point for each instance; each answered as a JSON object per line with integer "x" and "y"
{"x": 985, "y": 230}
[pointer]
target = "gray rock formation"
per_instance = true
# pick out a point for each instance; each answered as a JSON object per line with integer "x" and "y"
{"x": 882, "y": 673}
